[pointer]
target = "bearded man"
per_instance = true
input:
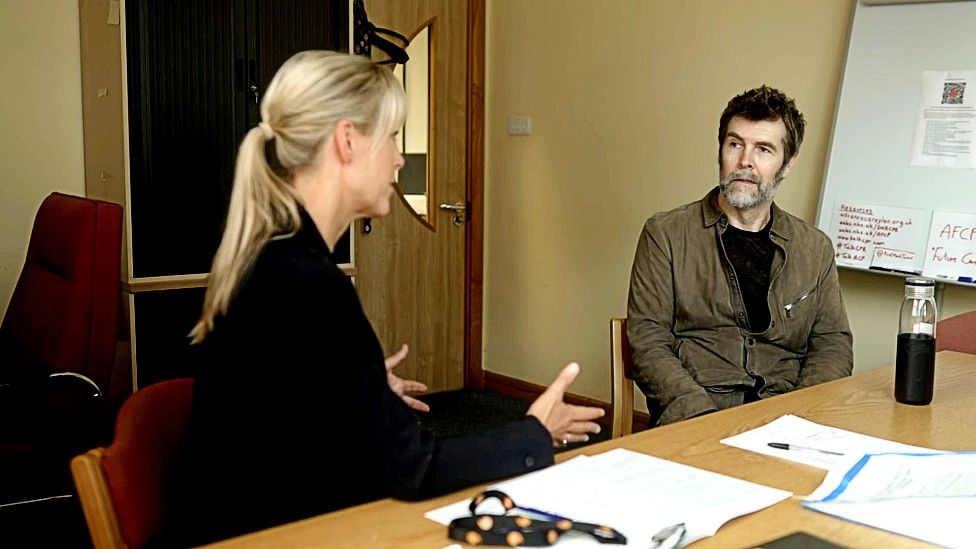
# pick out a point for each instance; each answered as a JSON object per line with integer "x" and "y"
{"x": 731, "y": 298}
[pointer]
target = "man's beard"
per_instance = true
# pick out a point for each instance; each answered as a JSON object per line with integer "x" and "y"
{"x": 745, "y": 201}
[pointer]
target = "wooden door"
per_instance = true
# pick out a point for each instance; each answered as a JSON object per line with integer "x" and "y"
{"x": 410, "y": 270}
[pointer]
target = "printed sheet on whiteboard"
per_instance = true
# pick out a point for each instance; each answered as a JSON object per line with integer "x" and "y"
{"x": 945, "y": 127}
{"x": 951, "y": 251}
{"x": 884, "y": 238}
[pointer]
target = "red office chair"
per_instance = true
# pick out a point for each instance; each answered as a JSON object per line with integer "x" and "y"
{"x": 57, "y": 344}
{"x": 122, "y": 488}
{"x": 957, "y": 333}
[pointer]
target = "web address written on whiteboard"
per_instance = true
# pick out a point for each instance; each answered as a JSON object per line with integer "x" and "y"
{"x": 880, "y": 237}
{"x": 936, "y": 244}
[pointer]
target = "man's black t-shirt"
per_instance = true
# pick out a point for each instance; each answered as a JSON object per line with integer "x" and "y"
{"x": 751, "y": 255}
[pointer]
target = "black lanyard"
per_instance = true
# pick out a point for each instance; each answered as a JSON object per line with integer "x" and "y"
{"x": 520, "y": 530}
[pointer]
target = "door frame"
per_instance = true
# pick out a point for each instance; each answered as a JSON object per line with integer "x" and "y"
{"x": 474, "y": 375}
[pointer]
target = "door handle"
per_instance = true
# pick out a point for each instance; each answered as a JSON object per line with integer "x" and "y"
{"x": 460, "y": 210}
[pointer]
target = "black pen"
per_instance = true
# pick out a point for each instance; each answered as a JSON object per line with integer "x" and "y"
{"x": 785, "y": 446}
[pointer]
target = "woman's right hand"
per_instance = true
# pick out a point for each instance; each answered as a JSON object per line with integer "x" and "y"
{"x": 566, "y": 423}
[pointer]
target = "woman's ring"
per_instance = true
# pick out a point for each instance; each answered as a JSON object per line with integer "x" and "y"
{"x": 565, "y": 441}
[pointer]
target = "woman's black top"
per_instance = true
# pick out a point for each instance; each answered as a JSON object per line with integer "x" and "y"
{"x": 292, "y": 415}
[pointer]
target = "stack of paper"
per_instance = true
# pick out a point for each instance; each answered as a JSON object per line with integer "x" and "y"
{"x": 634, "y": 493}
{"x": 931, "y": 497}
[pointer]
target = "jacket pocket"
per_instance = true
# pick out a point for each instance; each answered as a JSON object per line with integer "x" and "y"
{"x": 797, "y": 318}
{"x": 795, "y": 306}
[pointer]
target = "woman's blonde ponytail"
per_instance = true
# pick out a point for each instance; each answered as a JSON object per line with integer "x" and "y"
{"x": 307, "y": 96}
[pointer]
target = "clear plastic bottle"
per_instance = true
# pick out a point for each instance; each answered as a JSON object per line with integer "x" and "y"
{"x": 915, "y": 359}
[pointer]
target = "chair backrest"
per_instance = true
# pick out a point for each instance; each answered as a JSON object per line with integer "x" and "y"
{"x": 957, "y": 333}
{"x": 64, "y": 310}
{"x": 123, "y": 488}
{"x": 621, "y": 379}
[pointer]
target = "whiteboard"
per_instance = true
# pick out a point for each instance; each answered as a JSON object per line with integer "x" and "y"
{"x": 868, "y": 169}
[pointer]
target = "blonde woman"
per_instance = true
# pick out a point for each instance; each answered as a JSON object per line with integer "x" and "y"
{"x": 294, "y": 411}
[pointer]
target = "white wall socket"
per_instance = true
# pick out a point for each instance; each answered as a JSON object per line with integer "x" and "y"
{"x": 519, "y": 125}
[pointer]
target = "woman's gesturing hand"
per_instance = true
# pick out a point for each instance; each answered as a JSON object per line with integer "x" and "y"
{"x": 565, "y": 422}
{"x": 403, "y": 386}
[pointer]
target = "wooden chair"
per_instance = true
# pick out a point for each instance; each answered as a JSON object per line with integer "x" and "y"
{"x": 957, "y": 333}
{"x": 621, "y": 380}
{"x": 122, "y": 488}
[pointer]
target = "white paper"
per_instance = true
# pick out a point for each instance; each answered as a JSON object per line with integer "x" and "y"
{"x": 790, "y": 429}
{"x": 943, "y": 521}
{"x": 635, "y": 493}
{"x": 554, "y": 475}
{"x": 951, "y": 250}
{"x": 879, "y": 237}
{"x": 945, "y": 128}
{"x": 928, "y": 497}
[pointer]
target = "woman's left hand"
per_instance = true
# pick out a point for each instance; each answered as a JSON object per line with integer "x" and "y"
{"x": 565, "y": 422}
{"x": 403, "y": 386}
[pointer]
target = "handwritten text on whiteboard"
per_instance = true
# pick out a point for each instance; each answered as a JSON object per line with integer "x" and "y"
{"x": 882, "y": 237}
{"x": 951, "y": 250}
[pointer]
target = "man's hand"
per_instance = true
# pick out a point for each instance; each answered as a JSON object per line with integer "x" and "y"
{"x": 566, "y": 423}
{"x": 403, "y": 386}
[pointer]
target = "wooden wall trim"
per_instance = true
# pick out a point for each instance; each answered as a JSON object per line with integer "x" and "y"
{"x": 101, "y": 101}
{"x": 156, "y": 283}
{"x": 475, "y": 166}
{"x": 528, "y": 391}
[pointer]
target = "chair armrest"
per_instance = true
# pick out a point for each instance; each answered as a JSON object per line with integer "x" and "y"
{"x": 80, "y": 381}
{"x": 96, "y": 501}
{"x": 77, "y": 417}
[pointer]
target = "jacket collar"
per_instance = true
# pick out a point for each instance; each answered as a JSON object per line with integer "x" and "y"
{"x": 308, "y": 233}
{"x": 712, "y": 214}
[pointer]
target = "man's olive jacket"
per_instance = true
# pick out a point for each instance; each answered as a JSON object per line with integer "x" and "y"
{"x": 687, "y": 321}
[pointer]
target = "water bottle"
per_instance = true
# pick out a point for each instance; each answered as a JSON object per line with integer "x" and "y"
{"x": 915, "y": 360}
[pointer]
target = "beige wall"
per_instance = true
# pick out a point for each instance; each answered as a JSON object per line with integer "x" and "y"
{"x": 625, "y": 97}
{"x": 40, "y": 120}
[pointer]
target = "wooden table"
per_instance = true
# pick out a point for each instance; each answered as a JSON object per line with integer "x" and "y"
{"x": 863, "y": 403}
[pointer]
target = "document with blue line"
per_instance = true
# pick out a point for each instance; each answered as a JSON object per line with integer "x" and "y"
{"x": 930, "y": 497}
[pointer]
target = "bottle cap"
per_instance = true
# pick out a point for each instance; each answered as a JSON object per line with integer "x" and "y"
{"x": 918, "y": 281}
